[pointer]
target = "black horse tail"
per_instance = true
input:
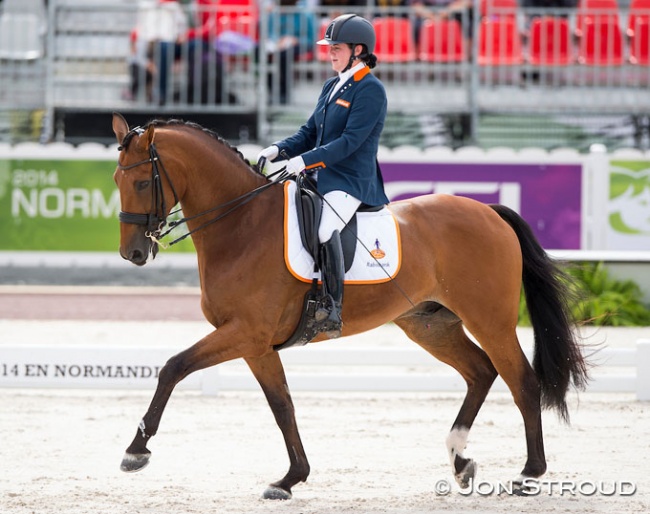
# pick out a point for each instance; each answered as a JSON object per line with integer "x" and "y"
{"x": 558, "y": 359}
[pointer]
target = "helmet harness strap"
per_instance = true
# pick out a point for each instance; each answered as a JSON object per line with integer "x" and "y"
{"x": 352, "y": 57}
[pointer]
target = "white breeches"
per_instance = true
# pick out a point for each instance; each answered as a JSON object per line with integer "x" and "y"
{"x": 338, "y": 209}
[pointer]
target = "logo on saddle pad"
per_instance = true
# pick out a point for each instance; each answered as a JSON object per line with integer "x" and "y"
{"x": 378, "y": 254}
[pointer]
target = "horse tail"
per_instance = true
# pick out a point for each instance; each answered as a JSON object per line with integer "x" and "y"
{"x": 558, "y": 359}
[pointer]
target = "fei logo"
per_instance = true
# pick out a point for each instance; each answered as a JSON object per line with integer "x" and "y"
{"x": 508, "y": 193}
{"x": 629, "y": 197}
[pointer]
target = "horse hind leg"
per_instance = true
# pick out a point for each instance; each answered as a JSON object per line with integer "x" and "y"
{"x": 511, "y": 363}
{"x": 440, "y": 333}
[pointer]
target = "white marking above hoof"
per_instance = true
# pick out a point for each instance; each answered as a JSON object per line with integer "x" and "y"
{"x": 456, "y": 443}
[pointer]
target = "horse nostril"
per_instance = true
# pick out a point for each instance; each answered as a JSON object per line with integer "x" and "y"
{"x": 136, "y": 256}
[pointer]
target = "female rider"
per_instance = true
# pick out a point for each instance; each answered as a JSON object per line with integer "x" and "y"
{"x": 337, "y": 146}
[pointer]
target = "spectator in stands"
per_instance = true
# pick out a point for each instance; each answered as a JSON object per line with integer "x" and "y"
{"x": 197, "y": 39}
{"x": 461, "y": 10}
{"x": 337, "y": 147}
{"x": 291, "y": 32}
{"x": 550, "y": 4}
{"x": 341, "y": 6}
{"x": 391, "y": 8}
{"x": 164, "y": 32}
{"x": 160, "y": 22}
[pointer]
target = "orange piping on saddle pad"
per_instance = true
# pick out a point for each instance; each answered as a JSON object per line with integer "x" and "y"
{"x": 385, "y": 278}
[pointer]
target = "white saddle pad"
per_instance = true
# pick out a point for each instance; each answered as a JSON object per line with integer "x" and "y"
{"x": 378, "y": 255}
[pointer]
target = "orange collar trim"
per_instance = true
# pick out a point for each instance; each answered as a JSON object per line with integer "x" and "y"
{"x": 361, "y": 73}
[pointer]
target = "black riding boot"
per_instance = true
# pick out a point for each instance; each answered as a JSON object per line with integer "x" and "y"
{"x": 328, "y": 314}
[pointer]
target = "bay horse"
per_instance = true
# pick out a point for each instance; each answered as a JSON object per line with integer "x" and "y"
{"x": 463, "y": 266}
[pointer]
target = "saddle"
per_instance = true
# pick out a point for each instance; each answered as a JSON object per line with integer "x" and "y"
{"x": 309, "y": 207}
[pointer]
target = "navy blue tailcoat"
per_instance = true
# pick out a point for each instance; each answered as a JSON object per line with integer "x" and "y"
{"x": 341, "y": 138}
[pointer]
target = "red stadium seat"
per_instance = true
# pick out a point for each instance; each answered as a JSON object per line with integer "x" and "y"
{"x": 550, "y": 42}
{"x": 239, "y": 16}
{"x": 638, "y": 9}
{"x": 601, "y": 43}
{"x": 394, "y": 39}
{"x": 441, "y": 41}
{"x": 499, "y": 42}
{"x": 243, "y": 6}
{"x": 640, "y": 43}
{"x": 499, "y": 8}
{"x": 595, "y": 11}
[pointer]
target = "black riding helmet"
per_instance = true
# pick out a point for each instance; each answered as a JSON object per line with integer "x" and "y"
{"x": 350, "y": 29}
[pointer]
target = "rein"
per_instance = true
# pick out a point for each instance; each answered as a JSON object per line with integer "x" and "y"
{"x": 157, "y": 220}
{"x": 243, "y": 200}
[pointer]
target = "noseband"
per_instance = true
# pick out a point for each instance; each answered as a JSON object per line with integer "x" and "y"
{"x": 155, "y": 220}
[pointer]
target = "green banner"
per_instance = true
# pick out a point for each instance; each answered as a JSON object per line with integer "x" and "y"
{"x": 628, "y": 213}
{"x": 61, "y": 205}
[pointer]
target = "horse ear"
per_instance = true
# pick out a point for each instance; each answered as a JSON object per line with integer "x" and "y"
{"x": 120, "y": 127}
{"x": 146, "y": 138}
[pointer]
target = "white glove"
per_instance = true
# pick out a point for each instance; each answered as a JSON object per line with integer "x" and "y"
{"x": 269, "y": 153}
{"x": 295, "y": 165}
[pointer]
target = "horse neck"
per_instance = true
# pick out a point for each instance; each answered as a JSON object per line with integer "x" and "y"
{"x": 215, "y": 178}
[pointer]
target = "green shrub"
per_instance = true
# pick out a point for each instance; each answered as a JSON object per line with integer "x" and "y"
{"x": 599, "y": 299}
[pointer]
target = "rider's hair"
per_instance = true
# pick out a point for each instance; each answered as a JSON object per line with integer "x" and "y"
{"x": 369, "y": 59}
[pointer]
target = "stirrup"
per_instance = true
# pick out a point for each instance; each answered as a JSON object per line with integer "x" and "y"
{"x": 324, "y": 308}
{"x": 331, "y": 327}
{"x": 328, "y": 317}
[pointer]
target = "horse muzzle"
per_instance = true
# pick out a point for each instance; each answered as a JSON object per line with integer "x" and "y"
{"x": 139, "y": 250}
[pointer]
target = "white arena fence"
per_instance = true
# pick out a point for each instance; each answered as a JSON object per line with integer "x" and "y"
{"x": 344, "y": 369}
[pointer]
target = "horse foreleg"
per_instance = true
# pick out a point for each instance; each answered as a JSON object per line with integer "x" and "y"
{"x": 269, "y": 373}
{"x": 210, "y": 350}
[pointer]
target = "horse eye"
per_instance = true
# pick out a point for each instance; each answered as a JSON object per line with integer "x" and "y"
{"x": 141, "y": 185}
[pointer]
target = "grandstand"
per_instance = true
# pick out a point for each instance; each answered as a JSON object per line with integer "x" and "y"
{"x": 528, "y": 77}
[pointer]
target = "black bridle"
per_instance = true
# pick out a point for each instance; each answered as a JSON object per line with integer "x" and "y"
{"x": 156, "y": 220}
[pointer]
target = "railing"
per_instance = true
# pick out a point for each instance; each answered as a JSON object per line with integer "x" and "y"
{"x": 497, "y": 57}
{"x": 352, "y": 369}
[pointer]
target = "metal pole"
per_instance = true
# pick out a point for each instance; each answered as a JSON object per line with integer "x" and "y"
{"x": 47, "y": 131}
{"x": 474, "y": 82}
{"x": 262, "y": 66}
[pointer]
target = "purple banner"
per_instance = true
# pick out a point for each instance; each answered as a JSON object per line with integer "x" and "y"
{"x": 548, "y": 196}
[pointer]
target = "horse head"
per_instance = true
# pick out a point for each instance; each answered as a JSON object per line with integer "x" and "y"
{"x": 146, "y": 194}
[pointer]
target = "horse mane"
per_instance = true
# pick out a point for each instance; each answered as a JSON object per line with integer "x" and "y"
{"x": 190, "y": 124}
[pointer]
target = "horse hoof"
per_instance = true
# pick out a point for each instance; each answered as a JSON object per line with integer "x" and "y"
{"x": 133, "y": 462}
{"x": 467, "y": 474}
{"x": 276, "y": 493}
{"x": 523, "y": 486}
